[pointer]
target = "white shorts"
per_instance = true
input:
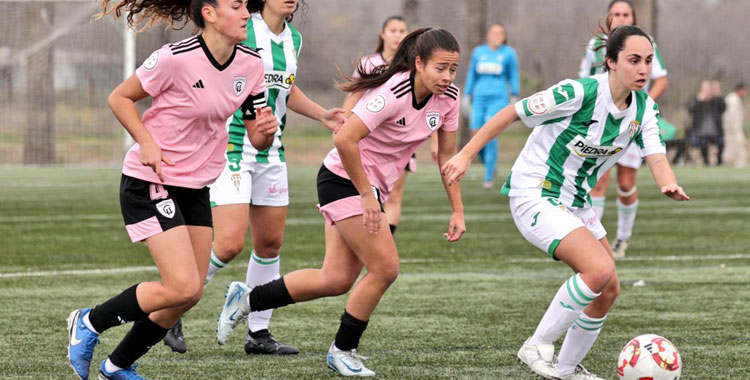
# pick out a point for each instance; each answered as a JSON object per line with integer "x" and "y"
{"x": 544, "y": 222}
{"x": 259, "y": 184}
{"x": 632, "y": 157}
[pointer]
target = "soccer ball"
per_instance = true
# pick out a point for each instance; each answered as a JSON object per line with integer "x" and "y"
{"x": 649, "y": 357}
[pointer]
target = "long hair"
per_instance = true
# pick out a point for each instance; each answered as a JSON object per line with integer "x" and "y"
{"x": 608, "y": 21}
{"x": 419, "y": 43}
{"x": 614, "y": 41}
{"x": 381, "y": 43}
{"x": 175, "y": 13}
{"x": 257, "y": 6}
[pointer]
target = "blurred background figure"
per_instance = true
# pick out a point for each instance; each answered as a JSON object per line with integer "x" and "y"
{"x": 706, "y": 110}
{"x": 491, "y": 78}
{"x": 735, "y": 144}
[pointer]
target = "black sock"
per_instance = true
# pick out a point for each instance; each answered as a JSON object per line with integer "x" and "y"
{"x": 270, "y": 295}
{"x": 144, "y": 334}
{"x": 350, "y": 331}
{"x": 393, "y": 228}
{"x": 117, "y": 310}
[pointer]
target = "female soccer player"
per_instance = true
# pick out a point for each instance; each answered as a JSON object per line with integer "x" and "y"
{"x": 402, "y": 106}
{"x": 621, "y": 12}
{"x": 195, "y": 85}
{"x": 493, "y": 72}
{"x": 253, "y": 188}
{"x": 581, "y": 128}
{"x": 393, "y": 31}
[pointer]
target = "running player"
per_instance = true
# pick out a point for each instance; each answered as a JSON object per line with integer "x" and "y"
{"x": 402, "y": 106}
{"x": 493, "y": 72}
{"x": 195, "y": 85}
{"x": 581, "y": 128}
{"x": 253, "y": 188}
{"x": 393, "y": 31}
{"x": 621, "y": 12}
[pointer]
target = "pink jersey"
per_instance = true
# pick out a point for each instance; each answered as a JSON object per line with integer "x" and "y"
{"x": 398, "y": 126}
{"x": 193, "y": 96}
{"x": 369, "y": 62}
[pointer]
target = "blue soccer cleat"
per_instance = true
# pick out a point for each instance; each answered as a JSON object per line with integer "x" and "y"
{"x": 81, "y": 343}
{"x": 234, "y": 310}
{"x": 123, "y": 374}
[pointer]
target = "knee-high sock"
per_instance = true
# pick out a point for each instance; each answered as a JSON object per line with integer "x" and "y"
{"x": 214, "y": 266}
{"x": 572, "y": 297}
{"x": 597, "y": 203}
{"x": 490, "y": 152}
{"x": 144, "y": 335}
{"x": 117, "y": 310}
{"x": 578, "y": 341}
{"x": 625, "y": 219}
{"x": 261, "y": 270}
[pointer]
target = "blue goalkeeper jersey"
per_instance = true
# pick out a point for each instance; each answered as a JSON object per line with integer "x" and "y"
{"x": 493, "y": 73}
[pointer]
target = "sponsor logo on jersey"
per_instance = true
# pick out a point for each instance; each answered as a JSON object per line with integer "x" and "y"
{"x": 540, "y": 103}
{"x": 279, "y": 79}
{"x": 490, "y": 68}
{"x": 166, "y": 208}
{"x": 401, "y": 121}
{"x": 433, "y": 119}
{"x": 151, "y": 61}
{"x": 633, "y": 128}
{"x": 376, "y": 104}
{"x": 239, "y": 85}
{"x": 584, "y": 148}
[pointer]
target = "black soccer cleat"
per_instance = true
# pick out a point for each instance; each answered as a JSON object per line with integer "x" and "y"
{"x": 175, "y": 339}
{"x": 263, "y": 343}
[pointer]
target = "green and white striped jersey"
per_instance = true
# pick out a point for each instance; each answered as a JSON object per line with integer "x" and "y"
{"x": 578, "y": 135}
{"x": 279, "y": 54}
{"x": 593, "y": 60}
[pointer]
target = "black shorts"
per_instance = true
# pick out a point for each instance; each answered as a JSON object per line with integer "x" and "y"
{"x": 150, "y": 208}
{"x": 411, "y": 166}
{"x": 332, "y": 187}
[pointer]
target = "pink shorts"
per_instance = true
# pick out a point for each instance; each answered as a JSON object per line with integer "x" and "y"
{"x": 338, "y": 198}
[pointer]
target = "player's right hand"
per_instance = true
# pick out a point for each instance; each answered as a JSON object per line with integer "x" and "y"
{"x": 265, "y": 121}
{"x": 455, "y": 169}
{"x": 151, "y": 156}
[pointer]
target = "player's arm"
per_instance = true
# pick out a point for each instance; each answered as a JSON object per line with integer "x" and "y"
{"x": 122, "y": 102}
{"x": 446, "y": 150}
{"x": 260, "y": 122}
{"x": 664, "y": 177}
{"x": 658, "y": 86}
{"x": 347, "y": 143}
{"x": 301, "y": 104}
{"x": 351, "y": 100}
{"x": 455, "y": 169}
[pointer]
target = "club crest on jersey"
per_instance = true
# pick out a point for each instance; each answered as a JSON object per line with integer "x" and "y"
{"x": 376, "y": 104}
{"x": 236, "y": 178}
{"x": 239, "y": 85}
{"x": 151, "y": 61}
{"x": 166, "y": 208}
{"x": 633, "y": 128}
{"x": 584, "y": 148}
{"x": 433, "y": 119}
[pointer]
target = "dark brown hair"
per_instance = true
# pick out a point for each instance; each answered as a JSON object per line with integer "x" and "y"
{"x": 381, "y": 43}
{"x": 614, "y": 41}
{"x": 176, "y": 13}
{"x": 419, "y": 43}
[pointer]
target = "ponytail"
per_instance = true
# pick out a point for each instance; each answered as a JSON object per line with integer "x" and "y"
{"x": 176, "y": 13}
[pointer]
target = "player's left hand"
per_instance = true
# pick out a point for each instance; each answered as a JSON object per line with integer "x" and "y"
{"x": 675, "y": 192}
{"x": 333, "y": 119}
{"x": 265, "y": 122}
{"x": 457, "y": 226}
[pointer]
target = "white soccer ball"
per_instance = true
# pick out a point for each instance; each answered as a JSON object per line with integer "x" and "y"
{"x": 649, "y": 357}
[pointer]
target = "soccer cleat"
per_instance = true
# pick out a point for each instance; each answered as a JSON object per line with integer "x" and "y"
{"x": 81, "y": 343}
{"x": 347, "y": 363}
{"x": 234, "y": 310}
{"x": 263, "y": 343}
{"x": 175, "y": 339}
{"x": 539, "y": 359}
{"x": 123, "y": 374}
{"x": 619, "y": 248}
{"x": 581, "y": 374}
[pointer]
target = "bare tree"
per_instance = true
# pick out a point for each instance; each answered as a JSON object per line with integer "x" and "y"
{"x": 475, "y": 31}
{"x": 39, "y": 140}
{"x": 411, "y": 11}
{"x": 647, "y": 15}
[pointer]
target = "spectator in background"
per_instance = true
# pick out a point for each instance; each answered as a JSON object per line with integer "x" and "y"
{"x": 735, "y": 149}
{"x": 706, "y": 110}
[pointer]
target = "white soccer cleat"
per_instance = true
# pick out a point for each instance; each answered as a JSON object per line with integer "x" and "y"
{"x": 234, "y": 310}
{"x": 619, "y": 248}
{"x": 581, "y": 374}
{"x": 348, "y": 363}
{"x": 539, "y": 359}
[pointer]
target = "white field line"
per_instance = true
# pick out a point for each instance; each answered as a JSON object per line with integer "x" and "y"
{"x": 99, "y": 272}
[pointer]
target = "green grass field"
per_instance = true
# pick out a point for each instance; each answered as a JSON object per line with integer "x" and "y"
{"x": 457, "y": 311}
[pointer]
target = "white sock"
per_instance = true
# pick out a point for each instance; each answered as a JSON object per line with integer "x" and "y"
{"x": 109, "y": 367}
{"x": 88, "y": 324}
{"x": 261, "y": 270}
{"x": 597, "y": 203}
{"x": 625, "y": 220}
{"x": 214, "y": 266}
{"x": 578, "y": 341}
{"x": 572, "y": 297}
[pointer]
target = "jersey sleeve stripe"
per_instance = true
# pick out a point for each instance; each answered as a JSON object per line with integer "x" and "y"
{"x": 185, "y": 49}
{"x": 399, "y": 86}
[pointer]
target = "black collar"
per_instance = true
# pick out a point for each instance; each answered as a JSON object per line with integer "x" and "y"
{"x": 211, "y": 57}
{"x": 417, "y": 106}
